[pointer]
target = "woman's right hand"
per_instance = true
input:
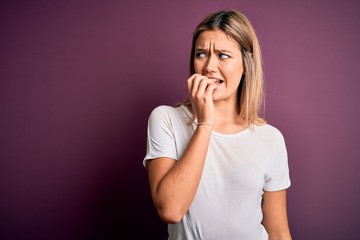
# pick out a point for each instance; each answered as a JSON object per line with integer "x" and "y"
{"x": 200, "y": 90}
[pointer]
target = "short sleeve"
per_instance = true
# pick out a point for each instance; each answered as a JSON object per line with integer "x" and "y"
{"x": 278, "y": 177}
{"x": 160, "y": 135}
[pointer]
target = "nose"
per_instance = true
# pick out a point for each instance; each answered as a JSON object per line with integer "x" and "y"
{"x": 211, "y": 65}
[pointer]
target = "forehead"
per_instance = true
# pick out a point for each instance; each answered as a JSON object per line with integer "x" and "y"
{"x": 216, "y": 37}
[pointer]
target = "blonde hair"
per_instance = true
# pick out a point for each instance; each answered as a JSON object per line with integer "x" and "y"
{"x": 251, "y": 88}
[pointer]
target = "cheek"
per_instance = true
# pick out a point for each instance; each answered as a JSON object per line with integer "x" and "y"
{"x": 232, "y": 71}
{"x": 233, "y": 75}
{"x": 238, "y": 71}
{"x": 198, "y": 67}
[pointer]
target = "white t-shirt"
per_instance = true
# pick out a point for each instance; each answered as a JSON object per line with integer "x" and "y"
{"x": 238, "y": 168}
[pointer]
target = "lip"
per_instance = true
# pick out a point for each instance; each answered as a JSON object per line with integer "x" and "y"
{"x": 217, "y": 80}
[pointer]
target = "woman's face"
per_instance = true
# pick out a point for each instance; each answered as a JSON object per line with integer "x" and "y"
{"x": 218, "y": 56}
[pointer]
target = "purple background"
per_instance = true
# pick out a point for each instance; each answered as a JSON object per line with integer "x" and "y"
{"x": 79, "y": 79}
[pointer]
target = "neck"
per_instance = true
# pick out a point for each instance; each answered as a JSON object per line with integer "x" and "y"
{"x": 227, "y": 118}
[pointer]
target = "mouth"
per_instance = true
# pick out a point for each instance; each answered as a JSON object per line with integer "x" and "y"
{"x": 218, "y": 81}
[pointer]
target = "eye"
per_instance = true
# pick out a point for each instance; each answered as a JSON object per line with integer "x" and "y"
{"x": 223, "y": 56}
{"x": 200, "y": 54}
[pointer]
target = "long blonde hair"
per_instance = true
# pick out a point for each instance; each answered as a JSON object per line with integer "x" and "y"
{"x": 250, "y": 93}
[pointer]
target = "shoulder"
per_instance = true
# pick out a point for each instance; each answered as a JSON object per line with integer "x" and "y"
{"x": 267, "y": 129}
{"x": 166, "y": 112}
{"x": 162, "y": 109}
{"x": 269, "y": 133}
{"x": 273, "y": 140}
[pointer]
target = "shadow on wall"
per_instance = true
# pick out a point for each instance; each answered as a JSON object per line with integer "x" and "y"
{"x": 94, "y": 188}
{"x": 122, "y": 205}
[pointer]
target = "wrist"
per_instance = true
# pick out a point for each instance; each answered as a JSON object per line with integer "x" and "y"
{"x": 207, "y": 124}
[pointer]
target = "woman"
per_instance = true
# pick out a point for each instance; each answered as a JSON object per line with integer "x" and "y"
{"x": 216, "y": 169}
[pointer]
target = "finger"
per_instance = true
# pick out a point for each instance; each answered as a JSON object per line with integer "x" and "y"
{"x": 190, "y": 82}
{"x": 203, "y": 85}
{"x": 210, "y": 89}
{"x": 195, "y": 85}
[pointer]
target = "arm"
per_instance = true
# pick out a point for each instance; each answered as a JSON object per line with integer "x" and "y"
{"x": 174, "y": 183}
{"x": 275, "y": 218}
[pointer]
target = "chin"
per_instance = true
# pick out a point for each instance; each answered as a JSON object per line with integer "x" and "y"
{"x": 216, "y": 98}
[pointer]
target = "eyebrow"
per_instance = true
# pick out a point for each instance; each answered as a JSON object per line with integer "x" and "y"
{"x": 216, "y": 50}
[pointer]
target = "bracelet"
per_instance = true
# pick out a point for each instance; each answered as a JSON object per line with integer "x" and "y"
{"x": 205, "y": 123}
